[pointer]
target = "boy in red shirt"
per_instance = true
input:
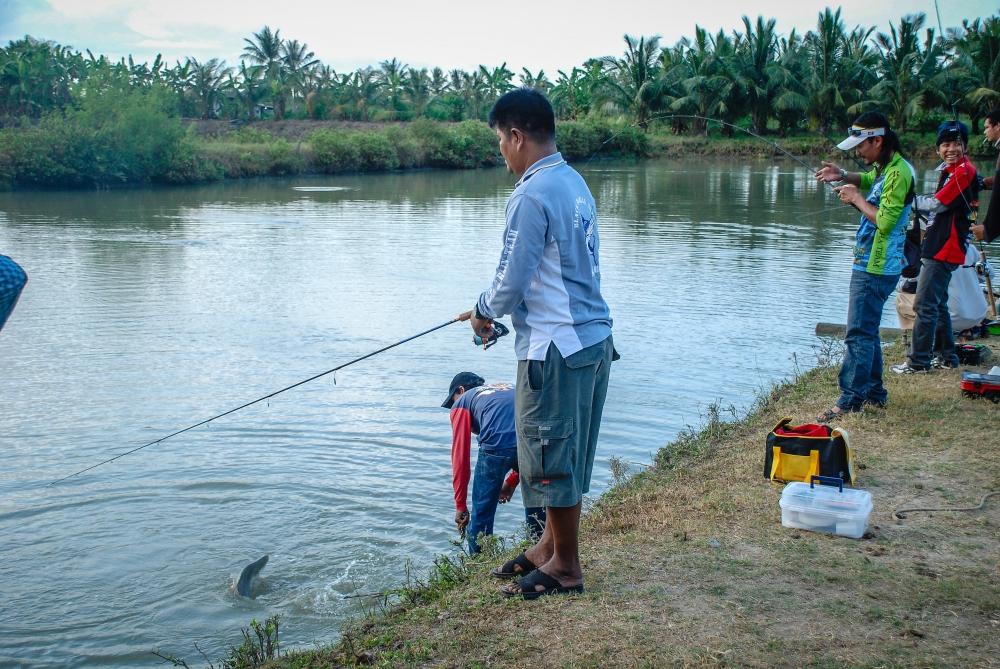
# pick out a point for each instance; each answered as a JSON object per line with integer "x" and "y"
{"x": 487, "y": 411}
{"x": 951, "y": 211}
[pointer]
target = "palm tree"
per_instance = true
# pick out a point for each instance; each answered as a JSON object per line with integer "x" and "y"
{"x": 249, "y": 87}
{"x": 207, "y": 82}
{"x": 391, "y": 77}
{"x": 363, "y": 92}
{"x": 977, "y": 65}
{"x": 538, "y": 81}
{"x": 37, "y": 76}
{"x": 418, "y": 90}
{"x": 758, "y": 69}
{"x": 792, "y": 103}
{"x": 264, "y": 48}
{"x": 438, "y": 83}
{"x": 826, "y": 55}
{"x": 572, "y": 93}
{"x": 905, "y": 69}
{"x": 296, "y": 63}
{"x": 472, "y": 89}
{"x": 631, "y": 78}
{"x": 496, "y": 81}
{"x": 707, "y": 86}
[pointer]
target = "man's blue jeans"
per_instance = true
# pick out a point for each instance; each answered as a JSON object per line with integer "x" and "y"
{"x": 861, "y": 374}
{"x": 491, "y": 469}
{"x": 932, "y": 327}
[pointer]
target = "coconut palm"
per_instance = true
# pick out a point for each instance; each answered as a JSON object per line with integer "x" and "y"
{"x": 704, "y": 79}
{"x": 363, "y": 93}
{"x": 826, "y": 52}
{"x": 417, "y": 88}
{"x": 791, "y": 102}
{"x": 631, "y": 79}
{"x": 297, "y": 61}
{"x": 758, "y": 69}
{"x": 905, "y": 70}
{"x": 977, "y": 65}
{"x": 438, "y": 83}
{"x": 249, "y": 87}
{"x": 391, "y": 77}
{"x": 207, "y": 82}
{"x": 265, "y": 48}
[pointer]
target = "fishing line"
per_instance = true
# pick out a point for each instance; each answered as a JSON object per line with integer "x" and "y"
{"x": 261, "y": 399}
{"x": 709, "y": 119}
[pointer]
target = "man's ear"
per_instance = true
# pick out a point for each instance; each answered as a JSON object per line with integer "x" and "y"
{"x": 517, "y": 137}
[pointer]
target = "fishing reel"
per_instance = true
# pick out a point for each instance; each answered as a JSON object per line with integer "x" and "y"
{"x": 499, "y": 330}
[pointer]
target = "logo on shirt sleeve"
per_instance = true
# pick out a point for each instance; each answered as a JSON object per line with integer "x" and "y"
{"x": 585, "y": 217}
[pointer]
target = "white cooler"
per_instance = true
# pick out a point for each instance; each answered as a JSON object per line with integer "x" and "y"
{"x": 825, "y": 508}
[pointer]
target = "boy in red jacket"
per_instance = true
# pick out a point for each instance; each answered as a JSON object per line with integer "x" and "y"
{"x": 486, "y": 410}
{"x": 951, "y": 212}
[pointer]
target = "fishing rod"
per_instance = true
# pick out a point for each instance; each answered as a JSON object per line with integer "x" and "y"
{"x": 499, "y": 330}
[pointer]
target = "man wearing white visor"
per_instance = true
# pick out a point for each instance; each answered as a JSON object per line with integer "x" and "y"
{"x": 878, "y": 253}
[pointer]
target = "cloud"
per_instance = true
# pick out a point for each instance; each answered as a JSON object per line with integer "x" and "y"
{"x": 558, "y": 34}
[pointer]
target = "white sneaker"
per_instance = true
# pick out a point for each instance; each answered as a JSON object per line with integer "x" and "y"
{"x": 905, "y": 368}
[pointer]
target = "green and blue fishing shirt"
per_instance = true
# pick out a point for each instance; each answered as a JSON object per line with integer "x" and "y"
{"x": 878, "y": 246}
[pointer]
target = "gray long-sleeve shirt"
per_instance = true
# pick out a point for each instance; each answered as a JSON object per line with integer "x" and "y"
{"x": 549, "y": 276}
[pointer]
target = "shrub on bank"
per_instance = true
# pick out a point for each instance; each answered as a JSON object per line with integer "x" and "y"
{"x": 114, "y": 137}
{"x": 582, "y": 140}
{"x": 334, "y": 151}
{"x": 238, "y": 160}
{"x": 422, "y": 143}
{"x": 578, "y": 141}
{"x": 375, "y": 152}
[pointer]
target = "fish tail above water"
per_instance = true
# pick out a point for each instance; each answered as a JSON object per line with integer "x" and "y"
{"x": 244, "y": 586}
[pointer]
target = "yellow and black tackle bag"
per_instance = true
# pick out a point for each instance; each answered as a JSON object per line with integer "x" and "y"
{"x": 799, "y": 452}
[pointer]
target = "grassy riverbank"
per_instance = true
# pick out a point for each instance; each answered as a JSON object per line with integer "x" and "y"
{"x": 687, "y": 564}
{"x": 132, "y": 139}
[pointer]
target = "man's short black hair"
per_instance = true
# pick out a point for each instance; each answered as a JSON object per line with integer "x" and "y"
{"x": 993, "y": 116}
{"x": 526, "y": 109}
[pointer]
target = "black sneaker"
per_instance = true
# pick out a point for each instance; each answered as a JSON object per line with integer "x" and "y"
{"x": 905, "y": 368}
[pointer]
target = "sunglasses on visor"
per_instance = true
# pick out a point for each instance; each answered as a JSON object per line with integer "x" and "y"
{"x": 854, "y": 131}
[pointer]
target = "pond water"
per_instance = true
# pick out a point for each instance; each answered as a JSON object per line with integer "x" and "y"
{"x": 149, "y": 310}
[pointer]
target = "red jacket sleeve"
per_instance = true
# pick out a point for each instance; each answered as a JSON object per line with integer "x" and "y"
{"x": 461, "y": 445}
{"x": 964, "y": 175}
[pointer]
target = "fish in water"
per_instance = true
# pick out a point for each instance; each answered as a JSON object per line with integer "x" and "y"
{"x": 244, "y": 586}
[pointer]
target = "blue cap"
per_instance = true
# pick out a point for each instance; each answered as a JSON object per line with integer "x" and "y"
{"x": 949, "y": 131}
{"x": 465, "y": 380}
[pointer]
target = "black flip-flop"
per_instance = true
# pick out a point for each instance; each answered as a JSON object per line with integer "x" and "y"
{"x": 507, "y": 569}
{"x": 539, "y": 577}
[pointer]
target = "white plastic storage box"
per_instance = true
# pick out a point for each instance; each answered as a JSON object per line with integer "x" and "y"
{"x": 825, "y": 508}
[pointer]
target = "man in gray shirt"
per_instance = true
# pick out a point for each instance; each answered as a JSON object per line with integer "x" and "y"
{"x": 548, "y": 280}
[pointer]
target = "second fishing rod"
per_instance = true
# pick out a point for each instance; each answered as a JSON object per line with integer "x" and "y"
{"x": 497, "y": 331}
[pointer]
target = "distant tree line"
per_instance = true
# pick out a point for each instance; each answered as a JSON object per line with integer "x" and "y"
{"x": 753, "y": 75}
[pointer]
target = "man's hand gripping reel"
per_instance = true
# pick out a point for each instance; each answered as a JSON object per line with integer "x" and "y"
{"x": 499, "y": 330}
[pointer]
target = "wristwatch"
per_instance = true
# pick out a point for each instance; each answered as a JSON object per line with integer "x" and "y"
{"x": 479, "y": 314}
{"x": 843, "y": 174}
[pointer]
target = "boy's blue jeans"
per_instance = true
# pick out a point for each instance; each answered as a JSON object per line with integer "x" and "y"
{"x": 491, "y": 469}
{"x": 861, "y": 374}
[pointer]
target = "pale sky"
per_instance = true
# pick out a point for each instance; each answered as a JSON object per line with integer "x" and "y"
{"x": 549, "y": 34}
